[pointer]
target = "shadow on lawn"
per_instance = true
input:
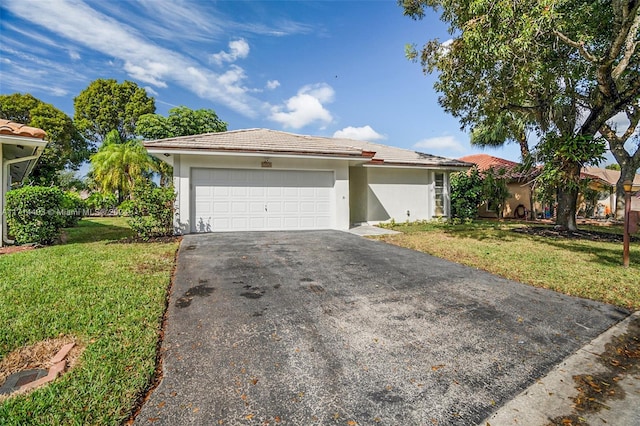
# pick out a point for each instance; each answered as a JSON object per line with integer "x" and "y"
{"x": 90, "y": 230}
{"x": 480, "y": 232}
{"x": 610, "y": 255}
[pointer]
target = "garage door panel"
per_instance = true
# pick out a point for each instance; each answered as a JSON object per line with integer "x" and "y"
{"x": 248, "y": 199}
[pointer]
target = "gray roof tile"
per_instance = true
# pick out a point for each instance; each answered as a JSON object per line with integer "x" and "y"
{"x": 276, "y": 142}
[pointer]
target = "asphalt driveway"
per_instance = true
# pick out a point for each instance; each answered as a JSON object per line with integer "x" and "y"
{"x": 326, "y": 327}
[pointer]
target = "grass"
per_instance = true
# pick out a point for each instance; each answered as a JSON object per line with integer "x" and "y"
{"x": 110, "y": 297}
{"x": 576, "y": 267}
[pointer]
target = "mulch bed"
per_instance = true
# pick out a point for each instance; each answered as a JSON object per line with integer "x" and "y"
{"x": 544, "y": 231}
{"x": 15, "y": 249}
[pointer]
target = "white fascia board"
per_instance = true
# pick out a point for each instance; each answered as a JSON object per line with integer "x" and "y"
{"x": 417, "y": 166}
{"x": 22, "y": 140}
{"x": 158, "y": 152}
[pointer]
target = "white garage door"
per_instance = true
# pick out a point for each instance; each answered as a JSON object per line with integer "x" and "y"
{"x": 244, "y": 200}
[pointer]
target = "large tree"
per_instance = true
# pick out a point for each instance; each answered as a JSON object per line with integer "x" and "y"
{"x": 181, "y": 121}
{"x": 66, "y": 148}
{"x": 566, "y": 66}
{"x": 107, "y": 105}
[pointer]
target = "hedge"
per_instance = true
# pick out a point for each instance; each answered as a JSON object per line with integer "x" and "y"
{"x": 36, "y": 214}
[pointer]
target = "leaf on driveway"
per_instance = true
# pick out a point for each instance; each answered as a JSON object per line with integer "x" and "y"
{"x": 437, "y": 367}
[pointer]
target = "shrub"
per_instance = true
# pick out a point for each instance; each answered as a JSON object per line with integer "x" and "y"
{"x": 466, "y": 194}
{"x": 150, "y": 211}
{"x": 34, "y": 214}
{"x": 101, "y": 203}
{"x": 72, "y": 209}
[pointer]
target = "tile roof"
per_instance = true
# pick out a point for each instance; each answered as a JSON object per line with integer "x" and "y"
{"x": 399, "y": 156}
{"x": 485, "y": 162}
{"x": 8, "y": 127}
{"x": 275, "y": 142}
{"x": 606, "y": 175}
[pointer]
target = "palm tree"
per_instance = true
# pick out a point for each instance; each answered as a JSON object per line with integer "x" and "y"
{"x": 119, "y": 164}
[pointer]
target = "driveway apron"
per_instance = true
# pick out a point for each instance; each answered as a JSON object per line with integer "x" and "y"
{"x": 325, "y": 327}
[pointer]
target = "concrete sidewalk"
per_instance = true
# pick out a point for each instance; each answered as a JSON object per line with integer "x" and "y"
{"x": 553, "y": 396}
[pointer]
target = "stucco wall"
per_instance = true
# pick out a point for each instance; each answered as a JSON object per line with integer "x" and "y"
{"x": 183, "y": 163}
{"x": 358, "y": 194}
{"x": 392, "y": 192}
{"x": 518, "y": 194}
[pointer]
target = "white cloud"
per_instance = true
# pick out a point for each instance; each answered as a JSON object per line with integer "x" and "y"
{"x": 238, "y": 49}
{"x": 364, "y": 133}
{"x": 142, "y": 59}
{"x": 305, "y": 107}
{"x": 75, "y": 56}
{"x": 273, "y": 84}
{"x": 150, "y": 91}
{"x": 440, "y": 143}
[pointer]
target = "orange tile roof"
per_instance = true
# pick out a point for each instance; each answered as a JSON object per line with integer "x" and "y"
{"x": 8, "y": 127}
{"x": 485, "y": 162}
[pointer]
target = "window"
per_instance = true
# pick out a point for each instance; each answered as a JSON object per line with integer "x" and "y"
{"x": 439, "y": 194}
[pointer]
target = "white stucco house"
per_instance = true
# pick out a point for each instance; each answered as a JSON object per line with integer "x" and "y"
{"x": 259, "y": 179}
{"x": 20, "y": 148}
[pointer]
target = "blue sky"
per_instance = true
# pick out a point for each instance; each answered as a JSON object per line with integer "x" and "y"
{"x": 327, "y": 68}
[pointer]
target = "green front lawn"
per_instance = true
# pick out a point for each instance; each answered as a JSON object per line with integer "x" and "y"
{"x": 577, "y": 267}
{"x": 110, "y": 297}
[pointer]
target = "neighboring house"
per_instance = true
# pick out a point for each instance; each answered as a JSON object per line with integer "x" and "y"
{"x": 609, "y": 179}
{"x": 519, "y": 185}
{"x": 20, "y": 148}
{"x": 259, "y": 179}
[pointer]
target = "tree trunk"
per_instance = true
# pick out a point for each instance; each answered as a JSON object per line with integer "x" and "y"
{"x": 567, "y": 205}
{"x": 627, "y": 172}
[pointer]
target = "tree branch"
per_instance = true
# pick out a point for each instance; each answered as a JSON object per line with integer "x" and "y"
{"x": 630, "y": 46}
{"x": 580, "y": 46}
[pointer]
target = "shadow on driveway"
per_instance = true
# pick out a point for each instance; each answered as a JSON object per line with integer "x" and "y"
{"x": 325, "y": 327}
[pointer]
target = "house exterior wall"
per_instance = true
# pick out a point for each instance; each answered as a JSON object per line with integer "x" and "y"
{"x": 519, "y": 193}
{"x": 184, "y": 163}
{"x": 403, "y": 194}
{"x": 358, "y": 194}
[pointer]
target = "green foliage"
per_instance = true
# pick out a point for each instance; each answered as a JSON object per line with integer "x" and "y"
{"x": 466, "y": 194}
{"x": 494, "y": 189}
{"x": 564, "y": 157}
{"x": 34, "y": 214}
{"x": 106, "y": 105}
{"x": 150, "y": 211}
{"x": 118, "y": 165}
{"x": 67, "y": 181}
{"x": 181, "y": 121}
{"x": 72, "y": 209}
{"x": 101, "y": 203}
{"x": 565, "y": 67}
{"x": 66, "y": 148}
{"x": 613, "y": 166}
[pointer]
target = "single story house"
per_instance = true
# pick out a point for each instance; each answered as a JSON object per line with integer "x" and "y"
{"x": 260, "y": 179}
{"x": 20, "y": 148}
{"x": 519, "y": 185}
{"x": 608, "y": 180}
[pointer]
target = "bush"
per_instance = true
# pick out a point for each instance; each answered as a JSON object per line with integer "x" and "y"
{"x": 101, "y": 203}
{"x": 34, "y": 214}
{"x": 466, "y": 194}
{"x": 150, "y": 211}
{"x": 72, "y": 209}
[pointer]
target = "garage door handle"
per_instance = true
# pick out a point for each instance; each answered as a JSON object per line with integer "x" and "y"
{"x": 265, "y": 207}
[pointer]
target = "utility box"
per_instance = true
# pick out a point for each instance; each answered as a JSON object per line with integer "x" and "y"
{"x": 634, "y": 221}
